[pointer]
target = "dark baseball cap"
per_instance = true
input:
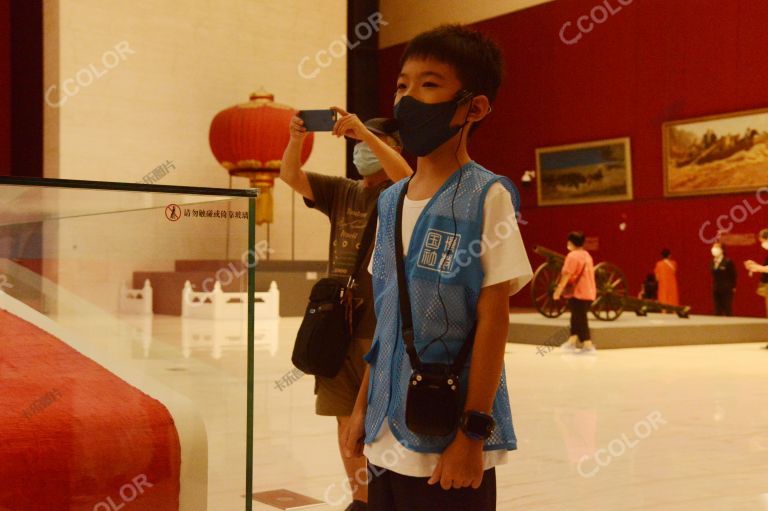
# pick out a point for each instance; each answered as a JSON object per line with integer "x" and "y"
{"x": 384, "y": 126}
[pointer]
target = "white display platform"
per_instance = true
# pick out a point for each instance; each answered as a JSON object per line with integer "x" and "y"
{"x": 631, "y": 331}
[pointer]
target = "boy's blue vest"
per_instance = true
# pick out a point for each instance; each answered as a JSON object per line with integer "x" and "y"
{"x": 436, "y": 296}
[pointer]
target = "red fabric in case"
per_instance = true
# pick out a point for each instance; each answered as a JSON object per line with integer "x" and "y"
{"x": 73, "y": 436}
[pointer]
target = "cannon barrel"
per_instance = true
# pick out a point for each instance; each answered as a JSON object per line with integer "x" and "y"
{"x": 551, "y": 255}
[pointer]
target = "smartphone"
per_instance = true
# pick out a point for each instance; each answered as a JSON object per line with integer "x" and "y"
{"x": 318, "y": 120}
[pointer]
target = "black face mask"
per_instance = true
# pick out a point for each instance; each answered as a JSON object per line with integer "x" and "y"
{"x": 424, "y": 127}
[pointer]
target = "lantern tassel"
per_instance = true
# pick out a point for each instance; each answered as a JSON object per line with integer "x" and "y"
{"x": 265, "y": 207}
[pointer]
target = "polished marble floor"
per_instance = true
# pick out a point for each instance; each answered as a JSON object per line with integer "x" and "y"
{"x": 662, "y": 429}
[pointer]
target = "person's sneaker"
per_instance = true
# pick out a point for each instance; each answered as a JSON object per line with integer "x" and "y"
{"x": 569, "y": 347}
{"x": 587, "y": 351}
{"x": 357, "y": 505}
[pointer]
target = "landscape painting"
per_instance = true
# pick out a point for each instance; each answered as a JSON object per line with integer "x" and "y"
{"x": 717, "y": 154}
{"x": 599, "y": 171}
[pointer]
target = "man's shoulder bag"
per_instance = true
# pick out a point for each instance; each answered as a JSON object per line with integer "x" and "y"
{"x": 326, "y": 331}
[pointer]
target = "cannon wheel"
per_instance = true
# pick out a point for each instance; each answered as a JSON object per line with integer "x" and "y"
{"x": 611, "y": 290}
{"x": 543, "y": 286}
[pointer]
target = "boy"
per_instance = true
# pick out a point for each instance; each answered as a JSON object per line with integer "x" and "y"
{"x": 464, "y": 257}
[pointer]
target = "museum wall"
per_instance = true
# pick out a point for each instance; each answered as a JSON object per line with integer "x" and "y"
{"x": 407, "y": 18}
{"x": 646, "y": 63}
{"x": 148, "y": 79}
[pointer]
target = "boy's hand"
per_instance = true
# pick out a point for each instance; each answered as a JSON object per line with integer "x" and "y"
{"x": 353, "y": 435}
{"x": 461, "y": 464}
{"x": 297, "y": 129}
{"x": 349, "y": 125}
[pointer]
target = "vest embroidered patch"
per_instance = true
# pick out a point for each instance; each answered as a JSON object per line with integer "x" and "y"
{"x": 438, "y": 251}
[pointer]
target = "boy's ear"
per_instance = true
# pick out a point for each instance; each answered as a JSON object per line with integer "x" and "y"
{"x": 479, "y": 107}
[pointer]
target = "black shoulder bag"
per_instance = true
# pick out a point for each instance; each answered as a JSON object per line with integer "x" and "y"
{"x": 433, "y": 403}
{"x": 326, "y": 331}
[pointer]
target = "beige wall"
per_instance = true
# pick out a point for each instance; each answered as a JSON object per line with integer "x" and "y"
{"x": 130, "y": 85}
{"x": 149, "y": 76}
{"x": 407, "y": 18}
{"x": 180, "y": 62}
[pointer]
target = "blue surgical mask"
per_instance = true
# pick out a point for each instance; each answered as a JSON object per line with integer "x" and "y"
{"x": 365, "y": 160}
{"x": 426, "y": 126}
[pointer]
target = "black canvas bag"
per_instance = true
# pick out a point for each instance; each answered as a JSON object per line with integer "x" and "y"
{"x": 326, "y": 331}
{"x": 433, "y": 402}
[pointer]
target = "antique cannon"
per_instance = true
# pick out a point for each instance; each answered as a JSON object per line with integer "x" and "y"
{"x": 612, "y": 298}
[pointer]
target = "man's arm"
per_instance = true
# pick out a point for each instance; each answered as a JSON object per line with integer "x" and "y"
{"x": 754, "y": 267}
{"x": 290, "y": 169}
{"x": 393, "y": 163}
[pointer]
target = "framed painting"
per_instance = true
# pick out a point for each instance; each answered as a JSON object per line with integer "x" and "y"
{"x": 725, "y": 153}
{"x": 599, "y": 171}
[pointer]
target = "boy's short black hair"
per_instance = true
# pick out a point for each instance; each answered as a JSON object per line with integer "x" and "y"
{"x": 666, "y": 253}
{"x": 577, "y": 238}
{"x": 476, "y": 59}
{"x": 763, "y": 234}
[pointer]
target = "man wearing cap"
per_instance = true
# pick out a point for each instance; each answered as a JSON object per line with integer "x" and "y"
{"x": 349, "y": 204}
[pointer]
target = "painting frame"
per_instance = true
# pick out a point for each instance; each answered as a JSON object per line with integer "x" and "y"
{"x": 545, "y": 198}
{"x": 671, "y": 190}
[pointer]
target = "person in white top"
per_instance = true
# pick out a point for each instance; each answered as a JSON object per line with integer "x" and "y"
{"x": 435, "y": 125}
{"x": 504, "y": 261}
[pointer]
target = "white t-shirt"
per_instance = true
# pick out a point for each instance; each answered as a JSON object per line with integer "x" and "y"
{"x": 504, "y": 258}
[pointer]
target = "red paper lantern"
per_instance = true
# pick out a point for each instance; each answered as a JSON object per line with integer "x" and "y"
{"x": 249, "y": 139}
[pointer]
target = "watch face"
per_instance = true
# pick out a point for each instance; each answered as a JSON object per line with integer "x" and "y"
{"x": 479, "y": 424}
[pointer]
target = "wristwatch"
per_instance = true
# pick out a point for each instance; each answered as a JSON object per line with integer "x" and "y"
{"x": 477, "y": 425}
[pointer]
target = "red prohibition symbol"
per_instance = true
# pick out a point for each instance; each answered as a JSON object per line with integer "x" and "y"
{"x": 173, "y": 212}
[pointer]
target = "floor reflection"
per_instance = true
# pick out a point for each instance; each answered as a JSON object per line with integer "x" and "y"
{"x": 226, "y": 335}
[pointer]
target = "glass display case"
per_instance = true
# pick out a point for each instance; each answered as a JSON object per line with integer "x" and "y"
{"x": 127, "y": 327}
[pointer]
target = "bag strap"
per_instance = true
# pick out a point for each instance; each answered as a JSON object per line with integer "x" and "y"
{"x": 366, "y": 245}
{"x": 405, "y": 300}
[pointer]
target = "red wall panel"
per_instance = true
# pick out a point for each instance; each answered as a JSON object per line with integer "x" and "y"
{"x": 5, "y": 88}
{"x": 651, "y": 62}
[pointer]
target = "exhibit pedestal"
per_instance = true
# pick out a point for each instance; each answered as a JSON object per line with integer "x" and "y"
{"x": 630, "y": 331}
